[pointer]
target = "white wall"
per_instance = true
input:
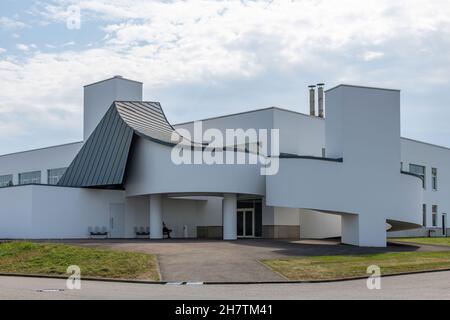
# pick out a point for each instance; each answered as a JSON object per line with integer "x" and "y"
{"x": 42, "y": 212}
{"x": 368, "y": 183}
{"x": 152, "y": 172}
{"x": 300, "y": 134}
{"x": 430, "y": 156}
{"x": 287, "y": 216}
{"x": 15, "y": 212}
{"x": 136, "y": 214}
{"x": 258, "y": 119}
{"x": 318, "y": 225}
{"x": 38, "y": 160}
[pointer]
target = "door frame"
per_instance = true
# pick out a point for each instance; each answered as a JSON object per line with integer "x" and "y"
{"x": 113, "y": 224}
{"x": 244, "y": 210}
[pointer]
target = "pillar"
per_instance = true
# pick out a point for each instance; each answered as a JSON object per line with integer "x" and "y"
{"x": 368, "y": 230}
{"x": 156, "y": 222}
{"x": 229, "y": 213}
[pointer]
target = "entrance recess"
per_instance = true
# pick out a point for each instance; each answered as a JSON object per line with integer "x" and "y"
{"x": 246, "y": 223}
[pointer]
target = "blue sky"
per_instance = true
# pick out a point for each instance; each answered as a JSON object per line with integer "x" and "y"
{"x": 207, "y": 58}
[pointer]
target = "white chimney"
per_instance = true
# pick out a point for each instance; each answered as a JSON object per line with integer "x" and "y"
{"x": 320, "y": 99}
{"x": 312, "y": 98}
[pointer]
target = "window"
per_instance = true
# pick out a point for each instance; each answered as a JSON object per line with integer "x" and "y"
{"x": 30, "y": 177}
{"x": 53, "y": 175}
{"x": 6, "y": 180}
{"x": 424, "y": 215}
{"x": 418, "y": 170}
{"x": 324, "y": 152}
{"x": 434, "y": 210}
{"x": 434, "y": 178}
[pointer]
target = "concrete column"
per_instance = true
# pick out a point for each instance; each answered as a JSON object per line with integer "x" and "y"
{"x": 367, "y": 230}
{"x": 229, "y": 214}
{"x": 156, "y": 222}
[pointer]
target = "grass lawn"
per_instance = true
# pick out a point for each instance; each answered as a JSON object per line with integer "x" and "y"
{"x": 435, "y": 240}
{"x": 336, "y": 267}
{"x": 53, "y": 259}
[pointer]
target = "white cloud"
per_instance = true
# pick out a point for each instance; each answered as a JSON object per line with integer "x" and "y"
{"x": 372, "y": 55}
{"x": 2, "y": 50}
{"x": 68, "y": 44}
{"x": 262, "y": 45}
{"x": 22, "y": 47}
{"x": 6, "y": 22}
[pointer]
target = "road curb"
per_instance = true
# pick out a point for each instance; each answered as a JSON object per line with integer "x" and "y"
{"x": 218, "y": 282}
{"x": 64, "y": 277}
{"x": 442, "y": 246}
{"x": 324, "y": 281}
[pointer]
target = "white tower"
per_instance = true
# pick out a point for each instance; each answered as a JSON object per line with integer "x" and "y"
{"x": 99, "y": 96}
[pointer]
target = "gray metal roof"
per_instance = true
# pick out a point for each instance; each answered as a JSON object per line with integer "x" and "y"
{"x": 147, "y": 119}
{"x": 102, "y": 160}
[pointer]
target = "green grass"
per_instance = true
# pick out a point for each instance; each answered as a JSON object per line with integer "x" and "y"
{"x": 434, "y": 240}
{"x": 53, "y": 259}
{"x": 345, "y": 266}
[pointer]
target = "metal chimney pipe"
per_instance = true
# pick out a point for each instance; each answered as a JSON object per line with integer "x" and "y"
{"x": 312, "y": 100}
{"x": 320, "y": 98}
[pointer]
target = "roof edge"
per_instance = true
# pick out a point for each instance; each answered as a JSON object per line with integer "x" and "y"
{"x": 361, "y": 87}
{"x": 42, "y": 148}
{"x": 115, "y": 77}
{"x": 251, "y": 111}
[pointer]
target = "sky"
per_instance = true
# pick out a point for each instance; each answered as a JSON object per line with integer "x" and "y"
{"x": 206, "y": 58}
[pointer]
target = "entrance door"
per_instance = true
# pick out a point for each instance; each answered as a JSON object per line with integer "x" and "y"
{"x": 245, "y": 223}
{"x": 117, "y": 220}
{"x": 444, "y": 224}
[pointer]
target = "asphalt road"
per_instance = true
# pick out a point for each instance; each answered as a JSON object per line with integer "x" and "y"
{"x": 419, "y": 286}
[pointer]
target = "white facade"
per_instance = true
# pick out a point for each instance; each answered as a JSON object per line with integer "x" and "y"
{"x": 41, "y": 160}
{"x": 338, "y": 177}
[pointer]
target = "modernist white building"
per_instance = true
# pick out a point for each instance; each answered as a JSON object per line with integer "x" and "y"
{"x": 344, "y": 173}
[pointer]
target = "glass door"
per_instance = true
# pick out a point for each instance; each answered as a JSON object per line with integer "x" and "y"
{"x": 245, "y": 223}
{"x": 444, "y": 224}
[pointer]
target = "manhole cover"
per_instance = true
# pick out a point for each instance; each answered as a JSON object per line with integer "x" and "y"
{"x": 194, "y": 283}
{"x": 174, "y": 283}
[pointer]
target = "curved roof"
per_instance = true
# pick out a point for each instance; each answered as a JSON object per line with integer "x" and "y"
{"x": 102, "y": 160}
{"x": 148, "y": 120}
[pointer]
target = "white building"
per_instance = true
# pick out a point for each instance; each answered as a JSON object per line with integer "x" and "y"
{"x": 348, "y": 174}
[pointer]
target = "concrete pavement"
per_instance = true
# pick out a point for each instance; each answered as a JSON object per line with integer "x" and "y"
{"x": 419, "y": 286}
{"x": 217, "y": 260}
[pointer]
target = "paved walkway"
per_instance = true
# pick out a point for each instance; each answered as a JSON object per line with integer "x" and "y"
{"x": 214, "y": 260}
{"x": 419, "y": 286}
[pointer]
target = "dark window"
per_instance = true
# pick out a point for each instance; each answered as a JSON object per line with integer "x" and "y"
{"x": 30, "y": 177}
{"x": 424, "y": 215}
{"x": 418, "y": 170}
{"x": 6, "y": 180}
{"x": 434, "y": 210}
{"x": 54, "y": 175}
{"x": 434, "y": 178}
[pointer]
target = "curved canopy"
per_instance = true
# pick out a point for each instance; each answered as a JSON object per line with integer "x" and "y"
{"x": 102, "y": 160}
